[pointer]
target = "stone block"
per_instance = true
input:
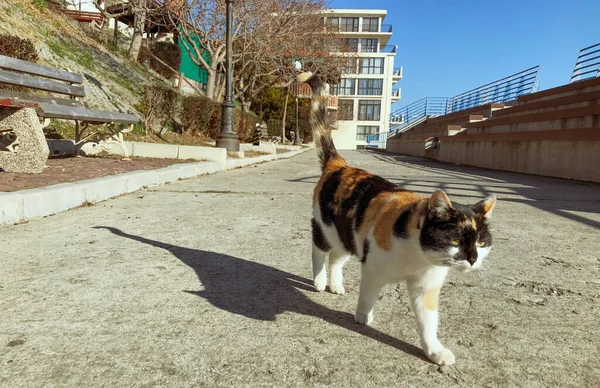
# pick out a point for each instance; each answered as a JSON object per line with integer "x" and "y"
{"x": 23, "y": 147}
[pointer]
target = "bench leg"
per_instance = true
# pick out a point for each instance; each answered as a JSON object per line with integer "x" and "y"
{"x": 23, "y": 146}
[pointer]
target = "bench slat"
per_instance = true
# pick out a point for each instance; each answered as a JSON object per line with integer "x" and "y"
{"x": 40, "y": 84}
{"x": 9, "y": 63}
{"x": 84, "y": 114}
{"x": 33, "y": 100}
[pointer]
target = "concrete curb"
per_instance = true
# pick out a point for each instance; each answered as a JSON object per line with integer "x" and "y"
{"x": 24, "y": 205}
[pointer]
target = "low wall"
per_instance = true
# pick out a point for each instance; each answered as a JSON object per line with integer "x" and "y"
{"x": 412, "y": 147}
{"x": 570, "y": 154}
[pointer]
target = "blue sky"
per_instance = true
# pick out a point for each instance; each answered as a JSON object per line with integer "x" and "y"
{"x": 448, "y": 47}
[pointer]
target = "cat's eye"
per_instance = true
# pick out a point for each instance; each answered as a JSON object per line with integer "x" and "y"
{"x": 454, "y": 243}
{"x": 480, "y": 243}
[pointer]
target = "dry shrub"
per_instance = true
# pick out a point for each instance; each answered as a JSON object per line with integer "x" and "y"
{"x": 245, "y": 124}
{"x": 201, "y": 115}
{"x": 159, "y": 106}
{"x": 167, "y": 52}
{"x": 20, "y": 48}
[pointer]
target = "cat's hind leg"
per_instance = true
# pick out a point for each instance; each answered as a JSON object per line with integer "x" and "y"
{"x": 319, "y": 252}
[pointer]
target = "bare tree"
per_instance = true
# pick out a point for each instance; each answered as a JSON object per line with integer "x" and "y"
{"x": 268, "y": 35}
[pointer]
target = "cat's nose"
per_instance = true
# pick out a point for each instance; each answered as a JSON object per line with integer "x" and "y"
{"x": 472, "y": 259}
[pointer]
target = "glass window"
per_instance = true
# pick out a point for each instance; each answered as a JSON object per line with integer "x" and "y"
{"x": 362, "y": 131}
{"x": 369, "y": 110}
{"x": 346, "y": 87}
{"x": 345, "y": 110}
{"x": 348, "y": 66}
{"x": 368, "y": 45}
{"x": 371, "y": 65}
{"x": 370, "y": 87}
{"x": 349, "y": 45}
{"x": 333, "y": 24}
{"x": 349, "y": 24}
{"x": 370, "y": 25}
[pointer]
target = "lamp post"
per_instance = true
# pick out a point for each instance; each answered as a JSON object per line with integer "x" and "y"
{"x": 228, "y": 139}
{"x": 297, "y": 141}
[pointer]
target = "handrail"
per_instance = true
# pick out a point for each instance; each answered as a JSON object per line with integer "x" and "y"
{"x": 387, "y": 49}
{"x": 578, "y": 73}
{"x": 386, "y": 28}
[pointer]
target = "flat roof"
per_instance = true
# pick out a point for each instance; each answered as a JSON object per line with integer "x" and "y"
{"x": 342, "y": 11}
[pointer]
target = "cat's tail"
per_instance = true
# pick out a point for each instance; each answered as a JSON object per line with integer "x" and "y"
{"x": 318, "y": 120}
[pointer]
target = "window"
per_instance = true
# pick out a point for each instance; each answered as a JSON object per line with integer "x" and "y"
{"x": 370, "y": 87}
{"x": 371, "y": 65}
{"x": 368, "y": 45}
{"x": 347, "y": 87}
{"x": 349, "y": 45}
{"x": 349, "y": 24}
{"x": 370, "y": 25}
{"x": 345, "y": 110}
{"x": 369, "y": 110}
{"x": 334, "y": 24}
{"x": 348, "y": 67}
{"x": 362, "y": 131}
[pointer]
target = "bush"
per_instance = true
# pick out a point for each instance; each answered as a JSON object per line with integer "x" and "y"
{"x": 201, "y": 115}
{"x": 245, "y": 124}
{"x": 20, "y": 48}
{"x": 167, "y": 52}
{"x": 16, "y": 47}
{"x": 159, "y": 106}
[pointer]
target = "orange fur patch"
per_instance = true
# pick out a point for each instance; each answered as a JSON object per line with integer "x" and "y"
{"x": 384, "y": 229}
{"x": 348, "y": 182}
{"x": 373, "y": 212}
{"x": 431, "y": 298}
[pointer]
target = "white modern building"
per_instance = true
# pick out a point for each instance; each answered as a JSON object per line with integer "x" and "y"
{"x": 366, "y": 91}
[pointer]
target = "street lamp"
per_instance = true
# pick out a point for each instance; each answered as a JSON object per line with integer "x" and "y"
{"x": 297, "y": 141}
{"x": 228, "y": 139}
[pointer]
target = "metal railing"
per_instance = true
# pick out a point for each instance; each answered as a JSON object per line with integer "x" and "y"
{"x": 386, "y": 28}
{"x": 397, "y": 93}
{"x": 588, "y": 63}
{"x": 387, "y": 49}
{"x": 505, "y": 89}
{"x": 397, "y": 72}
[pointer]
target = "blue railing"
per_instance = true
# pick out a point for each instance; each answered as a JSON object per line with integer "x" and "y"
{"x": 588, "y": 63}
{"x": 502, "y": 90}
{"x": 505, "y": 89}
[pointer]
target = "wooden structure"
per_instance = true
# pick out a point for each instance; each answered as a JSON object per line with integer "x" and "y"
{"x": 69, "y": 106}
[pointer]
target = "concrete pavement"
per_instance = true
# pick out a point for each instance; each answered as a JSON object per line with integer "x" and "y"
{"x": 206, "y": 282}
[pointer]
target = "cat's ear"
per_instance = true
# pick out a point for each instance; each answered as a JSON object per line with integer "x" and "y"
{"x": 439, "y": 201}
{"x": 485, "y": 206}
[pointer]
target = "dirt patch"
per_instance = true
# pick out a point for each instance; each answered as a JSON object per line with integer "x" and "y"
{"x": 282, "y": 150}
{"x": 62, "y": 170}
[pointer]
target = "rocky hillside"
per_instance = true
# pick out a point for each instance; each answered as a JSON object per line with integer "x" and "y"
{"x": 112, "y": 82}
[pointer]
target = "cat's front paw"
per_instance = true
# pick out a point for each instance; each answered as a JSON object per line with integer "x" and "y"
{"x": 442, "y": 357}
{"x": 320, "y": 282}
{"x": 364, "y": 319}
{"x": 337, "y": 289}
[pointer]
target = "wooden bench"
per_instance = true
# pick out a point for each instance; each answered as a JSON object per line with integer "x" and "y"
{"x": 21, "y": 137}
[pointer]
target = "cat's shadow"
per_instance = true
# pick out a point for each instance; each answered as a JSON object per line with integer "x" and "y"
{"x": 257, "y": 291}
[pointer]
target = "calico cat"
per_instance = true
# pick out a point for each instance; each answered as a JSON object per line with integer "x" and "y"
{"x": 398, "y": 235}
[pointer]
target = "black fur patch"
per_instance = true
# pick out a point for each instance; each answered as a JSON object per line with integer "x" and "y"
{"x": 401, "y": 224}
{"x": 327, "y": 195}
{"x": 365, "y": 251}
{"x": 319, "y": 237}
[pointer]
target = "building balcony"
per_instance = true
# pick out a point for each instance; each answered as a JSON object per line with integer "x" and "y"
{"x": 397, "y": 74}
{"x": 304, "y": 91}
{"x": 396, "y": 95}
{"x": 388, "y": 49}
